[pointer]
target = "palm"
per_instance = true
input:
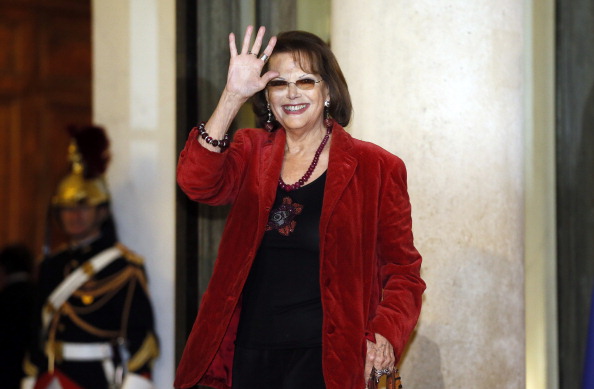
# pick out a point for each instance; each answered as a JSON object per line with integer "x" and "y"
{"x": 243, "y": 77}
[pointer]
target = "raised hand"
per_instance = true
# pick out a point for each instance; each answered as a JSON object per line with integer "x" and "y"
{"x": 243, "y": 81}
{"x": 245, "y": 67}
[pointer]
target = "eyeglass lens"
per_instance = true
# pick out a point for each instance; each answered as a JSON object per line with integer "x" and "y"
{"x": 303, "y": 84}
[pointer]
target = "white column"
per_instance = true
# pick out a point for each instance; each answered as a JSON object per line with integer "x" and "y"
{"x": 441, "y": 84}
{"x": 542, "y": 367}
{"x": 134, "y": 98}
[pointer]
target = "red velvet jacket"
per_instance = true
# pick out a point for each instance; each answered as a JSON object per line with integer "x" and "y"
{"x": 369, "y": 268}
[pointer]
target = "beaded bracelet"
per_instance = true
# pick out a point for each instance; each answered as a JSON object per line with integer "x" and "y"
{"x": 223, "y": 143}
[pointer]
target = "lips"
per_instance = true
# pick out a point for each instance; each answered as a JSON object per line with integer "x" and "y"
{"x": 295, "y": 109}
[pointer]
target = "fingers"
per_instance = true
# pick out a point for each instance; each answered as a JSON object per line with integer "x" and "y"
{"x": 384, "y": 358}
{"x": 270, "y": 46}
{"x": 232, "y": 46}
{"x": 370, "y": 356}
{"x": 381, "y": 354}
{"x": 245, "y": 47}
{"x": 269, "y": 75}
{"x": 368, "y": 363}
{"x": 244, "y": 76}
{"x": 246, "y": 39}
{"x": 258, "y": 41}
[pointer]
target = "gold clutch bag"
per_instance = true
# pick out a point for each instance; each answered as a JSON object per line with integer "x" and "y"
{"x": 393, "y": 380}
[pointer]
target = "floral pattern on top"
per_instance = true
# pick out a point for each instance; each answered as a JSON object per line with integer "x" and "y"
{"x": 282, "y": 218}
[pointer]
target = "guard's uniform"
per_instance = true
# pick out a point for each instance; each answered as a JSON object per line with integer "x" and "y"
{"x": 95, "y": 319}
{"x": 104, "y": 322}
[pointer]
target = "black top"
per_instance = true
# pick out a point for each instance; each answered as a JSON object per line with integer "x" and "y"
{"x": 281, "y": 303}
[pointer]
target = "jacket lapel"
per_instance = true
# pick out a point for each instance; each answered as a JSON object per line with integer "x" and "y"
{"x": 271, "y": 163}
{"x": 341, "y": 168}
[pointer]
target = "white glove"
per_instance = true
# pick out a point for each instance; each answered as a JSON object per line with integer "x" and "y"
{"x": 28, "y": 383}
{"x": 135, "y": 381}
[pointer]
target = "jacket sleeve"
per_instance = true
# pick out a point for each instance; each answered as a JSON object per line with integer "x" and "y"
{"x": 399, "y": 263}
{"x": 209, "y": 177}
{"x": 142, "y": 341}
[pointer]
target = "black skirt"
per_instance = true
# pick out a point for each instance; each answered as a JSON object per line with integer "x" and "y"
{"x": 296, "y": 368}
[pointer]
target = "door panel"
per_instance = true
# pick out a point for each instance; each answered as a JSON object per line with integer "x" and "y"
{"x": 45, "y": 84}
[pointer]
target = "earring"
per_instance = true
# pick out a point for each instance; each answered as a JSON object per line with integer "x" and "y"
{"x": 269, "y": 125}
{"x": 328, "y": 122}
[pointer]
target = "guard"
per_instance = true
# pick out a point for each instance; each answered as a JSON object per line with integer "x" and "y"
{"x": 95, "y": 321}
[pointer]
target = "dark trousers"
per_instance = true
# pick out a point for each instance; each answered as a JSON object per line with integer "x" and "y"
{"x": 299, "y": 368}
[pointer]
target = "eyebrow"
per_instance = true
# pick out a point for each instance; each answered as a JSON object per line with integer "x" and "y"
{"x": 300, "y": 77}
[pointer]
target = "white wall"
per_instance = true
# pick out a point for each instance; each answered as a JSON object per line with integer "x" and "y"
{"x": 134, "y": 98}
{"x": 443, "y": 84}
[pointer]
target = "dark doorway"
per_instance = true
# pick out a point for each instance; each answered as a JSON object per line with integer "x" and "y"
{"x": 575, "y": 182}
{"x": 202, "y": 58}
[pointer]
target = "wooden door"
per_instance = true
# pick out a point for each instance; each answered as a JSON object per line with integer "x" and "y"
{"x": 45, "y": 84}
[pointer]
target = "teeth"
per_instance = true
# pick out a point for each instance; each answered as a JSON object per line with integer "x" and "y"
{"x": 295, "y": 107}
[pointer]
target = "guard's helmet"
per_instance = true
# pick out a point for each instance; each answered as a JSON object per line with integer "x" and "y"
{"x": 88, "y": 154}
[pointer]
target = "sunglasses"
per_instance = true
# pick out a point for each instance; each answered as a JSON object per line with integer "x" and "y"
{"x": 303, "y": 84}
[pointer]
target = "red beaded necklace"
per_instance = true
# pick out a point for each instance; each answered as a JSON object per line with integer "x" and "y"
{"x": 314, "y": 163}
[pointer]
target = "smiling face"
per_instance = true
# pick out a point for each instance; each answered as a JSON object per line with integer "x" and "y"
{"x": 296, "y": 109}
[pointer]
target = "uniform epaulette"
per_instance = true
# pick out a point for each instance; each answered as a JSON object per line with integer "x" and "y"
{"x": 130, "y": 255}
{"x": 60, "y": 250}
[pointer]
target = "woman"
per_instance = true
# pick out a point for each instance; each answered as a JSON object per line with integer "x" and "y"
{"x": 317, "y": 278}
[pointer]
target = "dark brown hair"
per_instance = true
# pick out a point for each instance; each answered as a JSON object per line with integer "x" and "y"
{"x": 314, "y": 56}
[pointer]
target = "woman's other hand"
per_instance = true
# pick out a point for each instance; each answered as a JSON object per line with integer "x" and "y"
{"x": 245, "y": 67}
{"x": 379, "y": 355}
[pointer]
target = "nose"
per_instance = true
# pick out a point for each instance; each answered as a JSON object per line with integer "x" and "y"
{"x": 292, "y": 90}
